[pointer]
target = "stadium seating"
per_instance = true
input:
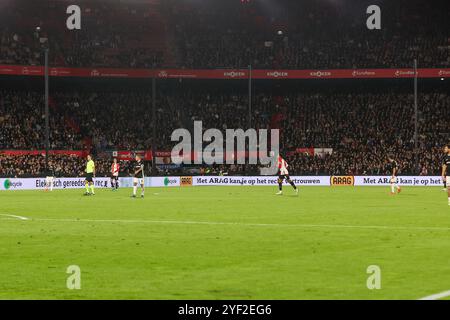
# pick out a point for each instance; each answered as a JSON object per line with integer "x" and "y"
{"x": 362, "y": 128}
{"x": 214, "y": 34}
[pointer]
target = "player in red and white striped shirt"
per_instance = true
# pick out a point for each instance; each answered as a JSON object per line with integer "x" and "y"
{"x": 115, "y": 169}
{"x": 283, "y": 174}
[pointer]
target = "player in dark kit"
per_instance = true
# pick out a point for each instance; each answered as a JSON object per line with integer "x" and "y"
{"x": 393, "y": 168}
{"x": 444, "y": 176}
{"x": 446, "y": 170}
{"x": 138, "y": 176}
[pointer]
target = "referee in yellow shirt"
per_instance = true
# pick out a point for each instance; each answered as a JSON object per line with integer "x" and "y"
{"x": 90, "y": 174}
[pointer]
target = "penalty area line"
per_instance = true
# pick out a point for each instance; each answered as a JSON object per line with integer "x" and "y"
{"x": 437, "y": 296}
{"x": 274, "y": 225}
{"x": 14, "y": 216}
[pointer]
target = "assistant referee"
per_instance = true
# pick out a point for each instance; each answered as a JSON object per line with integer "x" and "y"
{"x": 90, "y": 174}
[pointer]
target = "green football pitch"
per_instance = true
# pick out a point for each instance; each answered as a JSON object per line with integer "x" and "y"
{"x": 225, "y": 243}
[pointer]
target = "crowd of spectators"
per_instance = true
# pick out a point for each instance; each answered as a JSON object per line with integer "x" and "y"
{"x": 60, "y": 165}
{"x": 362, "y": 128}
{"x": 34, "y": 165}
{"x": 112, "y": 34}
{"x": 15, "y": 50}
{"x": 307, "y": 34}
{"x": 310, "y": 35}
{"x": 22, "y": 123}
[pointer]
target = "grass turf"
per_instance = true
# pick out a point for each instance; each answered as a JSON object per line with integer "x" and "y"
{"x": 251, "y": 244}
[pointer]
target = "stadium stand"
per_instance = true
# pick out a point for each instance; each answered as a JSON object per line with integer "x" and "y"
{"x": 359, "y": 125}
{"x": 230, "y": 34}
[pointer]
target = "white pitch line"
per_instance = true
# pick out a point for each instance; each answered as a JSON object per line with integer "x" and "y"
{"x": 13, "y": 216}
{"x": 337, "y": 226}
{"x": 437, "y": 296}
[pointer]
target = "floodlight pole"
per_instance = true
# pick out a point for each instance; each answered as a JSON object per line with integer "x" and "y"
{"x": 154, "y": 124}
{"x": 416, "y": 123}
{"x": 47, "y": 122}
{"x": 249, "y": 97}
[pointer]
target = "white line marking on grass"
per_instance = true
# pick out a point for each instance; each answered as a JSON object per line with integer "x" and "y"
{"x": 437, "y": 296}
{"x": 337, "y": 226}
{"x": 15, "y": 217}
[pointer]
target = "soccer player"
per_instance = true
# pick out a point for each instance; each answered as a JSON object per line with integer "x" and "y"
{"x": 138, "y": 176}
{"x": 90, "y": 174}
{"x": 115, "y": 168}
{"x": 393, "y": 168}
{"x": 50, "y": 176}
{"x": 283, "y": 174}
{"x": 446, "y": 170}
{"x": 444, "y": 176}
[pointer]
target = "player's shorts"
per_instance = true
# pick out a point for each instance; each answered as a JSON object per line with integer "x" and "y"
{"x": 89, "y": 177}
{"x": 114, "y": 177}
{"x": 284, "y": 177}
{"x": 49, "y": 182}
{"x": 138, "y": 180}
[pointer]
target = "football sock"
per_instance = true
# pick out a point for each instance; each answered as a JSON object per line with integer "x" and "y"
{"x": 134, "y": 190}
{"x": 92, "y": 188}
{"x": 87, "y": 187}
{"x": 292, "y": 184}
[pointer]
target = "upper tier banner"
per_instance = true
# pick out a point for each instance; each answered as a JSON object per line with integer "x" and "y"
{"x": 225, "y": 73}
